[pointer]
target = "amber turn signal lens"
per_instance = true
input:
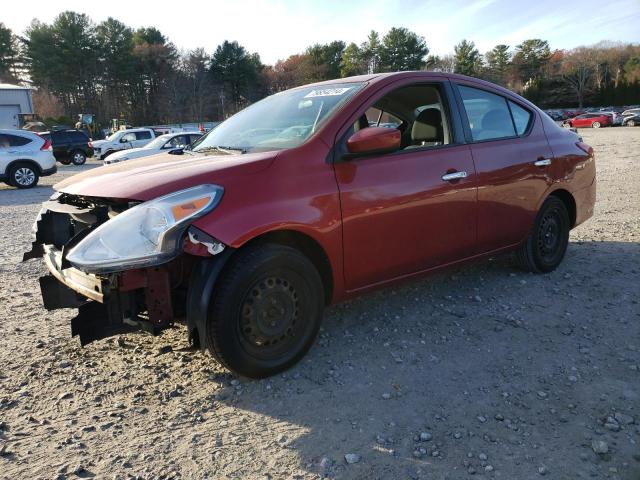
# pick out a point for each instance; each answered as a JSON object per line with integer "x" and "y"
{"x": 186, "y": 209}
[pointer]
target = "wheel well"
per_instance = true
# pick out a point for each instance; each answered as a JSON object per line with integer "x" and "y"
{"x": 24, "y": 160}
{"x": 569, "y": 202}
{"x": 309, "y": 247}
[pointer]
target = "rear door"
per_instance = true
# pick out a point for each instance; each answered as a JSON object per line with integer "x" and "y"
{"x": 582, "y": 121}
{"x": 142, "y": 138}
{"x": 513, "y": 161}
{"x": 61, "y": 142}
{"x": 401, "y": 214}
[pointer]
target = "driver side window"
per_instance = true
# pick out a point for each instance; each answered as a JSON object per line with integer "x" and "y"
{"x": 416, "y": 110}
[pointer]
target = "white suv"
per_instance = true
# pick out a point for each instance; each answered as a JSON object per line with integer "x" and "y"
{"x": 24, "y": 158}
{"x": 122, "y": 140}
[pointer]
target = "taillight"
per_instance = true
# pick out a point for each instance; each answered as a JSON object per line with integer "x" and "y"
{"x": 47, "y": 143}
{"x": 90, "y": 144}
{"x": 585, "y": 148}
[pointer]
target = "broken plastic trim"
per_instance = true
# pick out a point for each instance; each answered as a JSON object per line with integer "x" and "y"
{"x": 198, "y": 237}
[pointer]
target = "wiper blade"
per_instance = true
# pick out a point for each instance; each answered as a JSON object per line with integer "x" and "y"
{"x": 221, "y": 149}
{"x": 231, "y": 149}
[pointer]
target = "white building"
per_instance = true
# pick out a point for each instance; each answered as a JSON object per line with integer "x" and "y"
{"x": 14, "y": 101}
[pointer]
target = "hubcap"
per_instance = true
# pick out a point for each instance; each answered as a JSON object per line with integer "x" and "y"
{"x": 24, "y": 176}
{"x": 269, "y": 314}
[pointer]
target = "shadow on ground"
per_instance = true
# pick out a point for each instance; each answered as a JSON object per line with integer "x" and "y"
{"x": 483, "y": 359}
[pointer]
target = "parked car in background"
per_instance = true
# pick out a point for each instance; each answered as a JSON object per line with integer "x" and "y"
{"x": 164, "y": 143}
{"x": 593, "y": 120}
{"x": 69, "y": 146}
{"x": 24, "y": 158}
{"x": 631, "y": 111}
{"x": 631, "y": 120}
{"x": 555, "y": 115}
{"x": 616, "y": 118}
{"x": 122, "y": 140}
{"x": 297, "y": 202}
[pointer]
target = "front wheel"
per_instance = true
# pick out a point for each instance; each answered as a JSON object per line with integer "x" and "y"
{"x": 547, "y": 242}
{"x": 595, "y": 125}
{"x": 266, "y": 311}
{"x": 631, "y": 123}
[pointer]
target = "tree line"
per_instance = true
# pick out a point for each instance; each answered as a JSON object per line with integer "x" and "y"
{"x": 111, "y": 70}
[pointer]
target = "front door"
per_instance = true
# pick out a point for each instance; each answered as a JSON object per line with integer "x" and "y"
{"x": 401, "y": 213}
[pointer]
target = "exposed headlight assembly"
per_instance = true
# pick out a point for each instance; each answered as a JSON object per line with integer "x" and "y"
{"x": 145, "y": 235}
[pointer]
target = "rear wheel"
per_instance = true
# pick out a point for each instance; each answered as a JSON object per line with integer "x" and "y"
{"x": 65, "y": 161}
{"x": 23, "y": 175}
{"x": 595, "y": 125}
{"x": 547, "y": 243}
{"x": 78, "y": 157}
{"x": 266, "y": 312}
{"x": 631, "y": 123}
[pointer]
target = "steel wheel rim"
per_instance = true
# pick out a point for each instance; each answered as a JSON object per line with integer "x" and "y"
{"x": 24, "y": 176}
{"x": 596, "y": 125}
{"x": 269, "y": 322}
{"x": 549, "y": 239}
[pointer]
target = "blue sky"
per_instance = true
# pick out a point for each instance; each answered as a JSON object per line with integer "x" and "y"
{"x": 278, "y": 28}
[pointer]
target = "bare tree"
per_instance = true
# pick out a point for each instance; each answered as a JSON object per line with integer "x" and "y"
{"x": 577, "y": 70}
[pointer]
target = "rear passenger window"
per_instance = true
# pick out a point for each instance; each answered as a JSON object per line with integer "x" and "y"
{"x": 521, "y": 117}
{"x": 79, "y": 137}
{"x": 488, "y": 114}
{"x": 143, "y": 135}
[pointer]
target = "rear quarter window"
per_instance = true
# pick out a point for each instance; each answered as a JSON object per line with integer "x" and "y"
{"x": 17, "y": 141}
{"x": 521, "y": 117}
{"x": 79, "y": 137}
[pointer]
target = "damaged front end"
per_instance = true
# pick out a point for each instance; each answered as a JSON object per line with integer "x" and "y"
{"x": 116, "y": 298}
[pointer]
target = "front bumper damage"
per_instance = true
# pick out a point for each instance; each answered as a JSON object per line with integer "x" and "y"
{"x": 148, "y": 299}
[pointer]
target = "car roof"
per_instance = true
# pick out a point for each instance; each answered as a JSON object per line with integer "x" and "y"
{"x": 27, "y": 133}
{"x": 391, "y": 76}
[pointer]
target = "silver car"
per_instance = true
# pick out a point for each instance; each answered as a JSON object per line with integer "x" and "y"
{"x": 24, "y": 158}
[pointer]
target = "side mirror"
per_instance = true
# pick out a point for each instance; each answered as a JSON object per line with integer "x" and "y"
{"x": 374, "y": 140}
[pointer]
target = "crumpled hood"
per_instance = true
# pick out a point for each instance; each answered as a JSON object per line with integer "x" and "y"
{"x": 150, "y": 177}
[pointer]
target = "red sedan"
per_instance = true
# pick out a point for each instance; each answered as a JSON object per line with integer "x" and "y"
{"x": 589, "y": 120}
{"x": 309, "y": 197}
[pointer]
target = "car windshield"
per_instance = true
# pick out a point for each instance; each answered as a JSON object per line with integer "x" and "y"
{"x": 283, "y": 120}
{"x": 158, "y": 142}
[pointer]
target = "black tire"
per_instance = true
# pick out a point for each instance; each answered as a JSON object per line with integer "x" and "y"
{"x": 266, "y": 311}
{"x": 78, "y": 157}
{"x": 23, "y": 175}
{"x": 547, "y": 242}
{"x": 107, "y": 154}
{"x": 65, "y": 161}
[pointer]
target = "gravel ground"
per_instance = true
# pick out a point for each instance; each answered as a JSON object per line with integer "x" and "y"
{"x": 481, "y": 372}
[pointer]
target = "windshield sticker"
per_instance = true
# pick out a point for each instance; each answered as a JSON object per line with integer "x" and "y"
{"x": 328, "y": 92}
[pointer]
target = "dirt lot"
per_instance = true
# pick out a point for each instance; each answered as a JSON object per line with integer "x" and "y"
{"x": 482, "y": 372}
